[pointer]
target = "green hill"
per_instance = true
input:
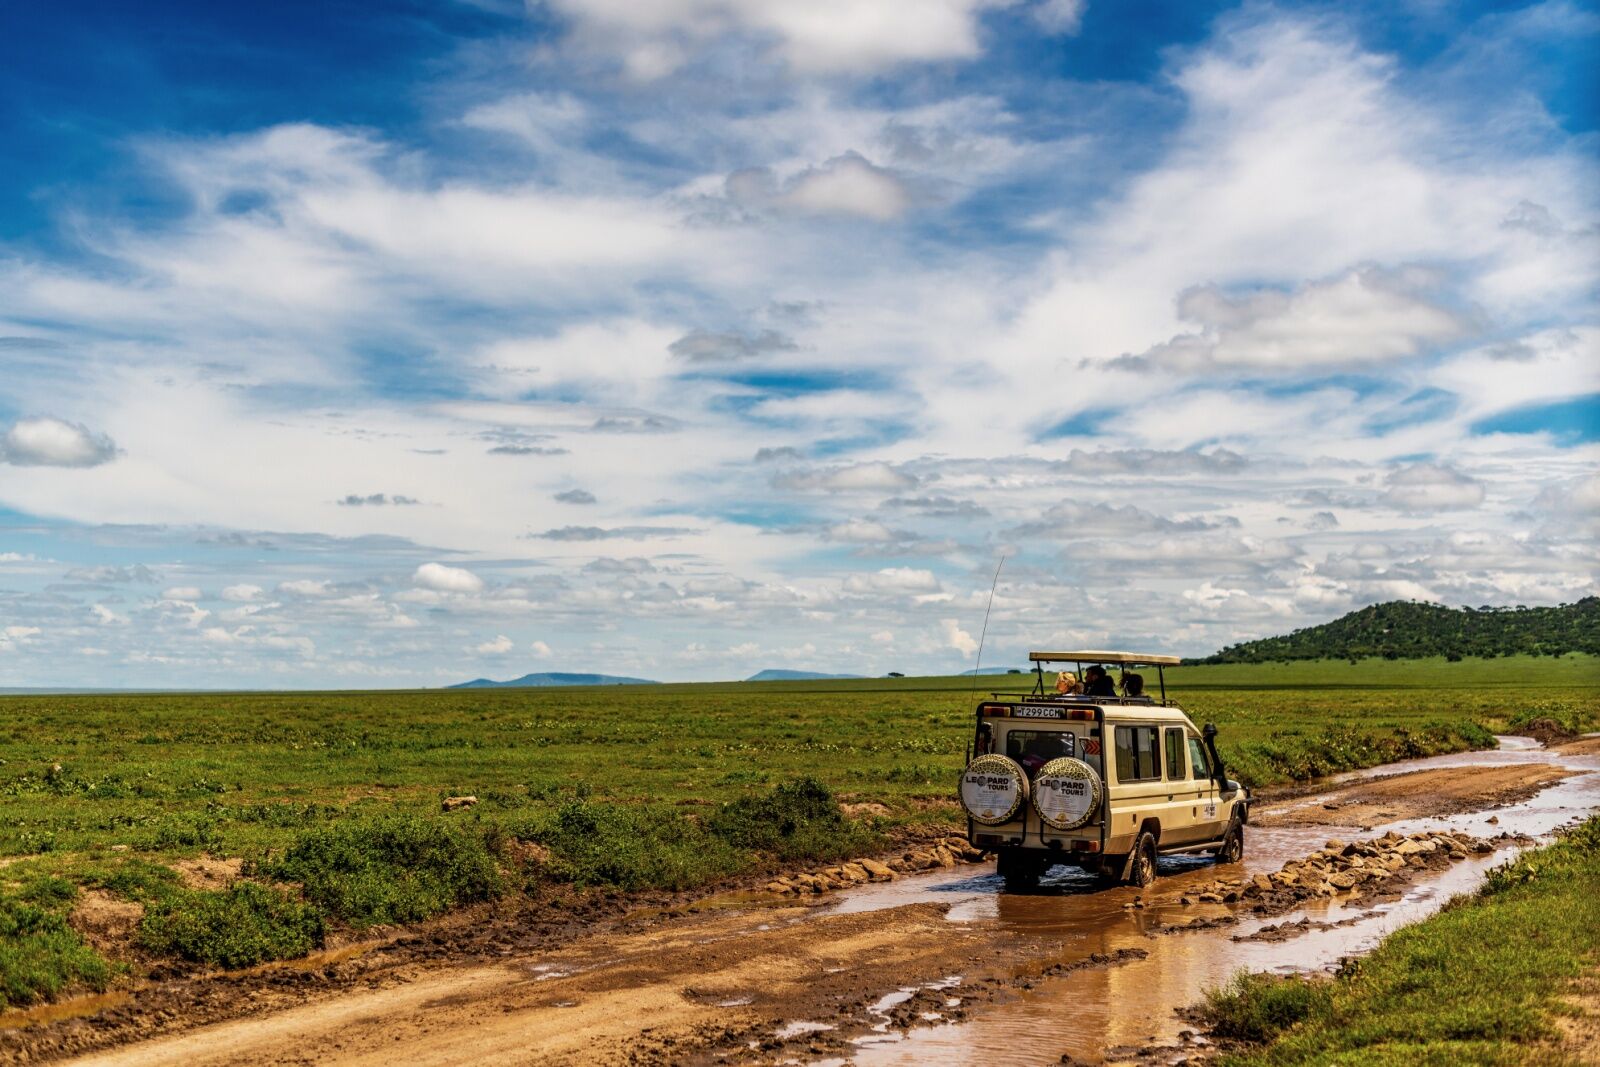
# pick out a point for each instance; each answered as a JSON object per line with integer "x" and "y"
{"x": 1404, "y": 629}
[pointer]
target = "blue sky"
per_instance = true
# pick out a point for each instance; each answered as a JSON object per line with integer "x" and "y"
{"x": 397, "y": 344}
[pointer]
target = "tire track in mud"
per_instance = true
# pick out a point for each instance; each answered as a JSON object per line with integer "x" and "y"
{"x": 926, "y": 968}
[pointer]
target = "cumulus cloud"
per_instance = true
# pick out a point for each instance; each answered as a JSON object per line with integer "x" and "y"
{"x": 443, "y": 579}
{"x": 242, "y": 593}
{"x": 847, "y": 186}
{"x": 893, "y": 580}
{"x": 182, "y": 592}
{"x": 49, "y": 442}
{"x": 14, "y": 637}
{"x": 1063, "y": 18}
{"x": 575, "y": 496}
{"x": 377, "y": 500}
{"x": 955, "y": 637}
{"x": 540, "y": 650}
{"x": 857, "y": 477}
{"x": 600, "y": 533}
{"x": 1078, "y": 519}
{"x": 778, "y": 455}
{"x": 307, "y": 588}
{"x": 1363, "y": 317}
{"x": 703, "y": 346}
{"x": 1424, "y": 487}
{"x": 498, "y": 646}
{"x": 107, "y": 574}
{"x": 810, "y": 36}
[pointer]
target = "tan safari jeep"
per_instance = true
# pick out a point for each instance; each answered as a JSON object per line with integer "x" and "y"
{"x": 1103, "y": 782}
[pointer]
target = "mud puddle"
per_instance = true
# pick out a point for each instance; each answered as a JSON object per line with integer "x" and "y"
{"x": 1094, "y": 1015}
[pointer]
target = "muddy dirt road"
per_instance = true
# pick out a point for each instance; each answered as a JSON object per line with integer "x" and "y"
{"x": 936, "y": 968}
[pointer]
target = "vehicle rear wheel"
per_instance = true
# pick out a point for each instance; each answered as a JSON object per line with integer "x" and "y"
{"x": 1232, "y": 848}
{"x": 1142, "y": 866}
{"x": 1020, "y": 870}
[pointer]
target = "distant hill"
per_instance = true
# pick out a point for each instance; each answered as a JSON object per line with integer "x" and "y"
{"x": 991, "y": 670}
{"x": 552, "y": 678}
{"x": 795, "y": 676}
{"x": 1403, "y": 629}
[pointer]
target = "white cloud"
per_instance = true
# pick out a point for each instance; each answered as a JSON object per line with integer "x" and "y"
{"x": 242, "y": 593}
{"x": 307, "y": 587}
{"x": 49, "y": 442}
{"x": 443, "y": 579}
{"x": 893, "y": 580}
{"x": 13, "y": 637}
{"x": 955, "y": 637}
{"x": 1364, "y": 316}
{"x": 1061, "y": 17}
{"x": 540, "y": 650}
{"x": 848, "y": 185}
{"x": 862, "y": 477}
{"x": 182, "y": 592}
{"x": 499, "y": 646}
{"x": 1424, "y": 487}
{"x": 820, "y": 36}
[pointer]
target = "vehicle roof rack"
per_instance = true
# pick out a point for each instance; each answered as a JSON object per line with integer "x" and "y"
{"x": 1103, "y": 656}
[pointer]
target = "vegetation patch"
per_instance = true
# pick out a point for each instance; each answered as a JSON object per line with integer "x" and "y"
{"x": 1480, "y": 982}
{"x": 40, "y": 955}
{"x": 799, "y": 820}
{"x": 240, "y": 926}
{"x": 393, "y": 869}
{"x": 631, "y": 846}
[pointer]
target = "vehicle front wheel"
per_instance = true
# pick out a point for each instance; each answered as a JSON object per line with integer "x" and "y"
{"x": 1232, "y": 848}
{"x": 1142, "y": 867}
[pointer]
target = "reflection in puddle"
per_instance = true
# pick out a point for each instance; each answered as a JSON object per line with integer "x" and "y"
{"x": 1091, "y": 1009}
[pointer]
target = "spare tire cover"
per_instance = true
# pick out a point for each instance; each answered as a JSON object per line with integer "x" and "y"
{"x": 993, "y": 788}
{"x": 1066, "y": 793}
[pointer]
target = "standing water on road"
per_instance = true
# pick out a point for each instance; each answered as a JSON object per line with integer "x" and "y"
{"x": 1131, "y": 1004}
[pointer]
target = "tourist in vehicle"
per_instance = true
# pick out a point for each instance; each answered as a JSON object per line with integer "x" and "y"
{"x": 1067, "y": 683}
{"x": 1133, "y": 685}
{"x": 1097, "y": 683}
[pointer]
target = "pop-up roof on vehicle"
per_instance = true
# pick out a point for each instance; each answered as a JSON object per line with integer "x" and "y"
{"x": 1126, "y": 659}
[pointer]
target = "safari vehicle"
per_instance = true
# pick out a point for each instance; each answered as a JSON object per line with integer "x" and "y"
{"x": 1105, "y": 783}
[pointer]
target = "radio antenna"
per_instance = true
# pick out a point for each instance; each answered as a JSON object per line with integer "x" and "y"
{"x": 984, "y": 634}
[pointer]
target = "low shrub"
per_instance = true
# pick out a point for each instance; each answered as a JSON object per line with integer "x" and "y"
{"x": 40, "y": 955}
{"x": 395, "y": 869}
{"x": 631, "y": 846}
{"x": 798, "y": 820}
{"x": 1259, "y": 1007}
{"x": 242, "y": 925}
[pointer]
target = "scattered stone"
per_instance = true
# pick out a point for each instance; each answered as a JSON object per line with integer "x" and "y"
{"x": 458, "y": 803}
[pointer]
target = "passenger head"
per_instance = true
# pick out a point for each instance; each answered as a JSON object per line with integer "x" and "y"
{"x": 1133, "y": 685}
{"x": 1066, "y": 682}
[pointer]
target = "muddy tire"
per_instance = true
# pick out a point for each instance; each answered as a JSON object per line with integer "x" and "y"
{"x": 1020, "y": 870}
{"x": 1232, "y": 848}
{"x": 1142, "y": 861}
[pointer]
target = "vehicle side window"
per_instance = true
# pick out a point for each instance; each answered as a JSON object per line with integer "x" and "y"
{"x": 1138, "y": 753}
{"x": 1197, "y": 756}
{"x": 1175, "y": 755}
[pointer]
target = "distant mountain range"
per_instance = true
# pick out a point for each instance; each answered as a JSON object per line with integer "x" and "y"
{"x": 796, "y": 676}
{"x": 552, "y": 678}
{"x": 1402, "y": 629}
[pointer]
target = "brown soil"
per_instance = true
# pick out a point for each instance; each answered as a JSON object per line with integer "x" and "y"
{"x": 1546, "y": 731}
{"x": 1371, "y": 802}
{"x": 207, "y": 872}
{"x": 1584, "y": 746}
{"x": 1580, "y": 1031}
{"x": 106, "y": 923}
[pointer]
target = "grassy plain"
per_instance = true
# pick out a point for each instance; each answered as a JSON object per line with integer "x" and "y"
{"x": 334, "y": 798}
{"x": 1485, "y": 981}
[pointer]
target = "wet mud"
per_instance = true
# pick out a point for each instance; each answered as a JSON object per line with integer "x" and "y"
{"x": 941, "y": 966}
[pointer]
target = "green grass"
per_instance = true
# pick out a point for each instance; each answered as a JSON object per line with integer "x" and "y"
{"x": 337, "y": 795}
{"x": 245, "y": 924}
{"x": 1479, "y": 983}
{"x": 40, "y": 954}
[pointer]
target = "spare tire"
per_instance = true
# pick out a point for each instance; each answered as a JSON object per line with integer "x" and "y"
{"x": 993, "y": 788}
{"x": 1066, "y": 793}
